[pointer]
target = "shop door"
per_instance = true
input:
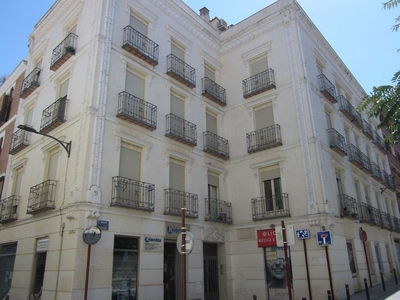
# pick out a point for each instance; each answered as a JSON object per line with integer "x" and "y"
{"x": 169, "y": 271}
{"x": 211, "y": 291}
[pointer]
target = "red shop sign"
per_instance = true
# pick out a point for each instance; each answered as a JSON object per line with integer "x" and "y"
{"x": 266, "y": 237}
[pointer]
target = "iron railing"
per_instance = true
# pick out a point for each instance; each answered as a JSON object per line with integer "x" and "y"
{"x": 215, "y": 145}
{"x": 349, "y": 206}
{"x": 366, "y": 163}
{"x": 181, "y": 130}
{"x": 376, "y": 171}
{"x": 218, "y": 210}
{"x": 8, "y": 209}
{"x": 378, "y": 141}
{"x": 30, "y": 83}
{"x": 175, "y": 200}
{"x": 19, "y": 141}
{"x": 42, "y": 197}
{"x": 63, "y": 51}
{"x": 213, "y": 91}
{"x": 136, "y": 110}
{"x": 337, "y": 142}
{"x": 267, "y": 208}
{"x": 387, "y": 180}
{"x": 132, "y": 193}
{"x": 370, "y": 214}
{"x": 258, "y": 83}
{"x": 357, "y": 119}
{"x": 395, "y": 224}
{"x": 327, "y": 88}
{"x": 181, "y": 71}
{"x": 386, "y": 221}
{"x": 140, "y": 45}
{"x": 345, "y": 107}
{"x": 354, "y": 156}
{"x": 54, "y": 115}
{"x": 368, "y": 129}
{"x": 264, "y": 138}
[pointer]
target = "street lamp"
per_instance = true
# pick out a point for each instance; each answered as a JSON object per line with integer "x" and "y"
{"x": 66, "y": 146}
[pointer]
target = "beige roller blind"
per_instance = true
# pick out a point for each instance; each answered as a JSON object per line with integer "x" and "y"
{"x": 52, "y": 170}
{"x": 208, "y": 72}
{"x": 134, "y": 85}
{"x": 270, "y": 174}
{"x": 257, "y": 66}
{"x": 130, "y": 163}
{"x": 264, "y": 117}
{"x": 211, "y": 123}
{"x": 178, "y": 52}
{"x": 64, "y": 88}
{"x": 17, "y": 183}
{"x": 177, "y": 176}
{"x": 177, "y": 106}
{"x": 138, "y": 25}
{"x": 213, "y": 180}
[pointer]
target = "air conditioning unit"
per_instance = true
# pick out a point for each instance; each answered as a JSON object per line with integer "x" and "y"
{"x": 222, "y": 25}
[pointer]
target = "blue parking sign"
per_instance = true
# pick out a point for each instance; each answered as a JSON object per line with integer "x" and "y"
{"x": 302, "y": 234}
{"x": 324, "y": 238}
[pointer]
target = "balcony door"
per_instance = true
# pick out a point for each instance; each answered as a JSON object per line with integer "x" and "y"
{"x": 128, "y": 187}
{"x": 211, "y": 126}
{"x": 213, "y": 194}
{"x": 264, "y": 118}
{"x": 271, "y": 184}
{"x": 177, "y": 183}
{"x": 178, "y": 109}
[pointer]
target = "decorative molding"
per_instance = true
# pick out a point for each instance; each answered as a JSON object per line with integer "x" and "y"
{"x": 94, "y": 194}
{"x": 213, "y": 234}
{"x": 264, "y": 164}
{"x": 257, "y": 51}
{"x": 150, "y": 17}
{"x": 210, "y": 60}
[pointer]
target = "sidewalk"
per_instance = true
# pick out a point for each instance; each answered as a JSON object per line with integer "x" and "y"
{"x": 377, "y": 293}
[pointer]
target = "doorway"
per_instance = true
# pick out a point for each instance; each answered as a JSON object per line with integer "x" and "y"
{"x": 172, "y": 272}
{"x": 210, "y": 255}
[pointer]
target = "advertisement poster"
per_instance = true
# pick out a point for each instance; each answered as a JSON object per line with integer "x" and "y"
{"x": 276, "y": 273}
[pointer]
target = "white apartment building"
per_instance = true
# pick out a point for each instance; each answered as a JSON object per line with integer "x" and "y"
{"x": 156, "y": 107}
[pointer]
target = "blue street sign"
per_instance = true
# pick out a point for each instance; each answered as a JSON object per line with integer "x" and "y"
{"x": 302, "y": 234}
{"x": 324, "y": 238}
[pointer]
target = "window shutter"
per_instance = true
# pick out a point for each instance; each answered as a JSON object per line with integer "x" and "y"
{"x": 178, "y": 52}
{"x": 176, "y": 176}
{"x": 258, "y": 66}
{"x": 134, "y": 85}
{"x": 17, "y": 183}
{"x": 64, "y": 88}
{"x": 130, "y": 163}
{"x": 211, "y": 123}
{"x": 53, "y": 162}
{"x": 269, "y": 175}
{"x": 209, "y": 73}
{"x": 177, "y": 107}
{"x": 264, "y": 117}
{"x": 138, "y": 25}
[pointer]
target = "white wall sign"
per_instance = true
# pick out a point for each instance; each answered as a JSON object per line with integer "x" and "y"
{"x": 42, "y": 245}
{"x": 151, "y": 243}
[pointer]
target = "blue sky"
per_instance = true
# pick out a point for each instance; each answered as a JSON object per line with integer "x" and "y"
{"x": 358, "y": 30}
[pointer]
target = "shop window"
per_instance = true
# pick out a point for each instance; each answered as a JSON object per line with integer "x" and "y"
{"x": 7, "y": 259}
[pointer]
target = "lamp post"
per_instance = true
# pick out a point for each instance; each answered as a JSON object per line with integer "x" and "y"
{"x": 66, "y": 146}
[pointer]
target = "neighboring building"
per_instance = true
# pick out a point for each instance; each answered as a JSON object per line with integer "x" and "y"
{"x": 246, "y": 125}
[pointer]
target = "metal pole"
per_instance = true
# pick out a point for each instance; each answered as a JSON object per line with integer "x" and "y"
{"x": 329, "y": 294}
{"x": 395, "y": 276}
{"x": 183, "y": 257}
{"x": 366, "y": 288}
{"x": 288, "y": 278}
{"x": 265, "y": 271}
{"x": 347, "y": 292}
{"x": 329, "y": 271}
{"x": 366, "y": 258}
{"x": 383, "y": 282}
{"x": 87, "y": 271}
{"x": 308, "y": 272}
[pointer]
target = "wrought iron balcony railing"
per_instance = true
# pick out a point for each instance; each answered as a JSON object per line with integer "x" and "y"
{"x": 264, "y": 138}
{"x": 370, "y": 214}
{"x": 63, "y": 51}
{"x": 349, "y": 206}
{"x": 386, "y": 221}
{"x": 215, "y": 145}
{"x": 368, "y": 130}
{"x": 258, "y": 83}
{"x": 213, "y": 91}
{"x": 387, "y": 180}
{"x": 337, "y": 142}
{"x": 376, "y": 171}
{"x": 327, "y": 88}
{"x": 181, "y": 130}
{"x": 8, "y": 209}
{"x": 345, "y": 107}
{"x": 218, "y": 210}
{"x": 181, "y": 71}
{"x": 357, "y": 119}
{"x": 268, "y": 208}
{"x": 175, "y": 200}
{"x": 137, "y": 111}
{"x": 30, "y": 83}
{"x": 54, "y": 115}
{"x": 378, "y": 141}
{"x": 42, "y": 197}
{"x": 395, "y": 224}
{"x": 132, "y": 194}
{"x": 19, "y": 141}
{"x": 354, "y": 156}
{"x": 366, "y": 162}
{"x": 140, "y": 46}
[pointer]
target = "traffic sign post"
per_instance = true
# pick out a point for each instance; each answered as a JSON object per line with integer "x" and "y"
{"x": 324, "y": 238}
{"x": 303, "y": 234}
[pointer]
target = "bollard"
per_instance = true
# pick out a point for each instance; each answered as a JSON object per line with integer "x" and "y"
{"x": 347, "y": 291}
{"x": 383, "y": 282}
{"x": 395, "y": 276}
{"x": 366, "y": 288}
{"x": 254, "y": 297}
{"x": 329, "y": 294}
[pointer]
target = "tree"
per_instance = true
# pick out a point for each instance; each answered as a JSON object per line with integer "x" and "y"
{"x": 2, "y": 79}
{"x": 384, "y": 101}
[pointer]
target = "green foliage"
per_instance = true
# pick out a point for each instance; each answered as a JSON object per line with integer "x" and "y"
{"x": 391, "y": 4}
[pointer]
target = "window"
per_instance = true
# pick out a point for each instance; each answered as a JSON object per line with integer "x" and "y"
{"x": 211, "y": 122}
{"x": 39, "y": 267}
{"x": 367, "y": 198}
{"x": 178, "y": 51}
{"x": 258, "y": 65}
{"x": 271, "y": 189}
{"x": 319, "y": 69}
{"x": 7, "y": 260}
{"x": 264, "y": 118}
{"x": 209, "y": 72}
{"x": 328, "y": 120}
{"x": 347, "y": 136}
{"x": 339, "y": 183}
{"x": 177, "y": 175}
{"x": 17, "y": 182}
{"x": 357, "y": 191}
{"x": 351, "y": 256}
{"x": 177, "y": 106}
{"x": 213, "y": 193}
{"x": 134, "y": 84}
{"x": 63, "y": 89}
{"x": 138, "y": 24}
{"x": 130, "y": 162}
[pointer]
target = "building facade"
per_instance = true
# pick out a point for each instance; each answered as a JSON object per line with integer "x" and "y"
{"x": 154, "y": 108}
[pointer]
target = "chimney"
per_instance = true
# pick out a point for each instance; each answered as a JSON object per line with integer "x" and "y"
{"x": 205, "y": 14}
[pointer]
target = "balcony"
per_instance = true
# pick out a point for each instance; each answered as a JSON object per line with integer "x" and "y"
{"x": 345, "y": 107}
{"x": 369, "y": 214}
{"x": 395, "y": 224}
{"x": 269, "y": 208}
{"x": 354, "y": 156}
{"x": 366, "y": 162}
{"x": 378, "y": 141}
{"x": 53, "y": 116}
{"x": 218, "y": 211}
{"x": 137, "y": 111}
{"x": 215, "y": 145}
{"x": 264, "y": 138}
{"x": 30, "y": 83}
{"x": 181, "y": 130}
{"x": 175, "y": 200}
{"x": 19, "y": 141}
{"x": 140, "y": 46}
{"x": 349, "y": 207}
{"x": 132, "y": 194}
{"x": 327, "y": 88}
{"x": 213, "y": 91}
{"x": 357, "y": 119}
{"x": 387, "y": 180}
{"x": 337, "y": 142}
{"x": 63, "y": 51}
{"x": 386, "y": 221}
{"x": 376, "y": 171}
{"x": 181, "y": 71}
{"x": 42, "y": 197}
{"x": 368, "y": 130}
{"x": 258, "y": 83}
{"x": 8, "y": 209}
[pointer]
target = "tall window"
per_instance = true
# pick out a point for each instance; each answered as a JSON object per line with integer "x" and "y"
{"x": 51, "y": 172}
{"x": 209, "y": 72}
{"x": 211, "y": 123}
{"x": 271, "y": 188}
{"x": 178, "y": 51}
{"x": 213, "y": 193}
{"x": 134, "y": 84}
{"x": 367, "y": 198}
{"x": 63, "y": 91}
{"x": 7, "y": 259}
{"x": 328, "y": 120}
{"x": 258, "y": 65}
{"x": 264, "y": 117}
{"x": 128, "y": 186}
{"x": 177, "y": 175}
{"x": 39, "y": 267}
{"x": 138, "y": 25}
{"x": 356, "y": 186}
{"x": 339, "y": 183}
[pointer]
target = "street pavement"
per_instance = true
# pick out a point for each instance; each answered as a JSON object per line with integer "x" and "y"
{"x": 377, "y": 293}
